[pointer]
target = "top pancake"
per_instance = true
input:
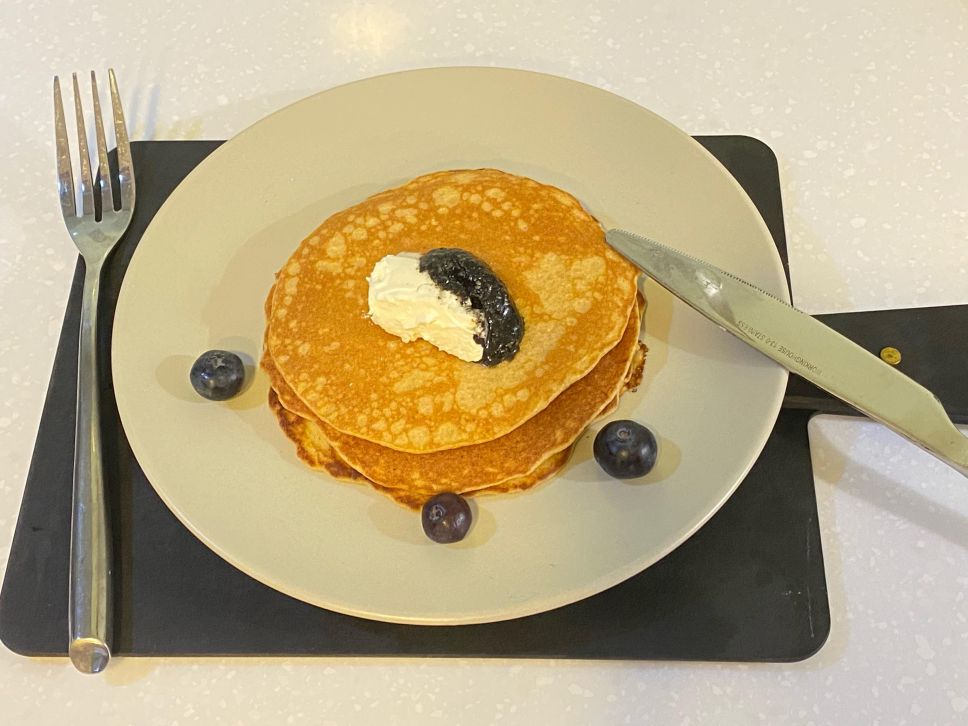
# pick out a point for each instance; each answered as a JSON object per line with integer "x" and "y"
{"x": 574, "y": 293}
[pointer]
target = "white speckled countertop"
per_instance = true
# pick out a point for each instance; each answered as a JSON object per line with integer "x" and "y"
{"x": 866, "y": 106}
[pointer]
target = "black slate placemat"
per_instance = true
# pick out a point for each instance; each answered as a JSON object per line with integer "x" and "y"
{"x": 749, "y": 586}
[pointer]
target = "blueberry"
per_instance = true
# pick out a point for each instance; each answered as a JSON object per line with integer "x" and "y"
{"x": 625, "y": 449}
{"x": 217, "y": 375}
{"x": 446, "y": 518}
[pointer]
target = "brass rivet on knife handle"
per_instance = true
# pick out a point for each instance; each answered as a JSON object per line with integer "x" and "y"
{"x": 890, "y": 355}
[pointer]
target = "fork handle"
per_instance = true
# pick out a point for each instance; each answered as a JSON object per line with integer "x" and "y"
{"x": 90, "y": 571}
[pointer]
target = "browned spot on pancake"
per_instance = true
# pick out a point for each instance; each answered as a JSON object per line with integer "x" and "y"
{"x": 634, "y": 379}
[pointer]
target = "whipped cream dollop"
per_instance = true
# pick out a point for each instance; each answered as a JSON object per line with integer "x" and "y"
{"x": 406, "y": 302}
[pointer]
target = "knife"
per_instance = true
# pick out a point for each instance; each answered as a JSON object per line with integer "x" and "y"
{"x": 801, "y": 344}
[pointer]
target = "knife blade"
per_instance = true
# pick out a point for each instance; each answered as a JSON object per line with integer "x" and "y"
{"x": 802, "y": 345}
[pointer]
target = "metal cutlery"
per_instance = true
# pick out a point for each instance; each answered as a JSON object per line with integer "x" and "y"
{"x": 802, "y": 344}
{"x": 95, "y": 229}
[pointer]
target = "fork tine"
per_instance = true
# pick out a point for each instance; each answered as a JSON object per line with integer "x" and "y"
{"x": 107, "y": 194}
{"x": 65, "y": 175}
{"x": 87, "y": 185}
{"x": 125, "y": 167}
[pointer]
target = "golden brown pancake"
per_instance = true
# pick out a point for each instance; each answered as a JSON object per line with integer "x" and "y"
{"x": 574, "y": 293}
{"x": 525, "y": 450}
{"x": 548, "y": 468}
{"x": 287, "y": 397}
{"x": 313, "y": 449}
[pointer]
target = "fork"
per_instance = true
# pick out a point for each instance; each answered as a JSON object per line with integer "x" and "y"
{"x": 96, "y": 231}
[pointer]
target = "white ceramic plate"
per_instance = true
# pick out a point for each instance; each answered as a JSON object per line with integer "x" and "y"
{"x": 202, "y": 270}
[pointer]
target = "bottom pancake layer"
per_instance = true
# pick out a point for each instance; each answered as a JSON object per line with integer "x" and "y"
{"x": 314, "y": 449}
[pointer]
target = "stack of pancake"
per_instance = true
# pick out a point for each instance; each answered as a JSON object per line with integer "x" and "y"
{"x": 412, "y": 420}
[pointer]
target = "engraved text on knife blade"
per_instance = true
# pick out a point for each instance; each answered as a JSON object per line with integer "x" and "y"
{"x": 769, "y": 342}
